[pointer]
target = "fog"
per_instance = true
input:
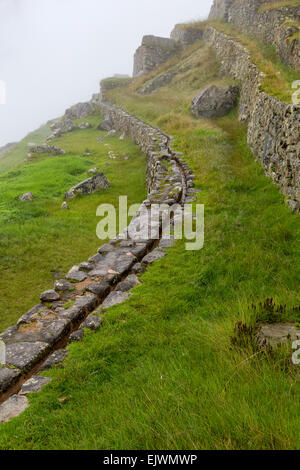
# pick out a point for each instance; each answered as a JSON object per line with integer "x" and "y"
{"x": 54, "y": 52}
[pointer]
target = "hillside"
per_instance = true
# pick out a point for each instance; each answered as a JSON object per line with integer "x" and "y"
{"x": 178, "y": 364}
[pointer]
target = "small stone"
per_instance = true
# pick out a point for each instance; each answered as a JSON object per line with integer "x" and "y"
{"x": 49, "y": 296}
{"x": 155, "y": 255}
{"x": 65, "y": 206}
{"x": 92, "y": 322}
{"x": 106, "y": 248}
{"x": 92, "y": 171}
{"x": 138, "y": 268}
{"x": 76, "y": 336}
{"x": 63, "y": 285}
{"x": 8, "y": 378}
{"x": 26, "y": 197}
{"x": 55, "y": 359}
{"x": 13, "y": 407}
{"x": 34, "y": 384}
{"x": 75, "y": 275}
{"x": 129, "y": 283}
{"x": 277, "y": 333}
{"x": 86, "y": 266}
{"x": 115, "y": 298}
{"x": 101, "y": 289}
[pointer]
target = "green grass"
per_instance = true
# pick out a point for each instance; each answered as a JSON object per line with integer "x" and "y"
{"x": 163, "y": 372}
{"x": 16, "y": 156}
{"x": 37, "y": 238}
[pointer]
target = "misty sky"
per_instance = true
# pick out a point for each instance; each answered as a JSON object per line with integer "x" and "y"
{"x": 53, "y": 53}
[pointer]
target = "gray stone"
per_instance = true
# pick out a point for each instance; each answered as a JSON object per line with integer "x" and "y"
{"x": 277, "y": 333}
{"x": 85, "y": 125}
{"x": 26, "y": 197}
{"x": 92, "y": 322}
{"x": 86, "y": 266}
{"x": 166, "y": 242}
{"x": 129, "y": 283}
{"x": 155, "y": 255}
{"x": 293, "y": 205}
{"x": 215, "y": 101}
{"x": 56, "y": 331}
{"x": 49, "y": 296}
{"x": 105, "y": 249}
{"x": 92, "y": 171}
{"x": 105, "y": 125}
{"x": 65, "y": 206}
{"x": 62, "y": 285}
{"x": 13, "y": 407}
{"x": 54, "y": 360}
{"x": 115, "y": 298}
{"x": 89, "y": 186}
{"x": 25, "y": 356}
{"x": 76, "y": 336}
{"x": 138, "y": 268}
{"x": 79, "y": 111}
{"x": 76, "y": 275}
{"x": 101, "y": 289}
{"x": 47, "y": 149}
{"x": 34, "y": 384}
{"x": 8, "y": 378}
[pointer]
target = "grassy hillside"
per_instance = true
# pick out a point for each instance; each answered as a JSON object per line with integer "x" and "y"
{"x": 38, "y": 240}
{"x": 169, "y": 369}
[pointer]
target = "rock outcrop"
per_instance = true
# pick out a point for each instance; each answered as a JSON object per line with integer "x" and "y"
{"x": 187, "y": 34}
{"x": 153, "y": 51}
{"x": 89, "y": 186}
{"x": 215, "y": 101}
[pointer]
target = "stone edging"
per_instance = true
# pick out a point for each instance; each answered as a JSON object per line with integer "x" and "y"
{"x": 273, "y": 126}
{"x": 43, "y": 331}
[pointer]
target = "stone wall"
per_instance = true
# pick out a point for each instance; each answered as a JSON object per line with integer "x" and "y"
{"x": 278, "y": 26}
{"x": 186, "y": 34}
{"x": 220, "y": 9}
{"x": 153, "y": 51}
{"x": 273, "y": 126}
{"x": 36, "y": 342}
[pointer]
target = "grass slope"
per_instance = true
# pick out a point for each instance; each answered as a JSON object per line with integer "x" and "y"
{"x": 38, "y": 239}
{"x": 163, "y": 372}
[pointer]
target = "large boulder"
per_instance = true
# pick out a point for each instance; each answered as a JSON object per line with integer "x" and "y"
{"x": 79, "y": 111}
{"x": 89, "y": 186}
{"x": 215, "y": 101}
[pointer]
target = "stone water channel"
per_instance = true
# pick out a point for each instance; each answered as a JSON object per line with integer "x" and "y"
{"x": 38, "y": 340}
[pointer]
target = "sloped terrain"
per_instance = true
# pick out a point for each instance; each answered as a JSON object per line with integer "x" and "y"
{"x": 176, "y": 366}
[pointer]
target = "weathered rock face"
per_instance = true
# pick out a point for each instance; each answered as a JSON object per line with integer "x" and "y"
{"x": 79, "y": 111}
{"x": 186, "y": 34}
{"x": 273, "y": 126}
{"x": 153, "y": 51}
{"x": 220, "y": 9}
{"x": 47, "y": 149}
{"x": 62, "y": 127}
{"x": 158, "y": 82}
{"x": 89, "y": 186}
{"x": 215, "y": 101}
{"x": 279, "y": 26}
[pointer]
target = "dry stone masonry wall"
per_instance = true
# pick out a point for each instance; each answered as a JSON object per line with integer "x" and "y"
{"x": 273, "y": 126}
{"x": 278, "y": 26}
{"x": 153, "y": 51}
{"x": 38, "y": 339}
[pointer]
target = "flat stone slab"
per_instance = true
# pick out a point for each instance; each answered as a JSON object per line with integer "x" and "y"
{"x": 129, "y": 283}
{"x": 277, "y": 333}
{"x": 115, "y": 298}
{"x": 76, "y": 275}
{"x": 76, "y": 336}
{"x": 24, "y": 356}
{"x": 101, "y": 289}
{"x": 8, "y": 378}
{"x": 55, "y": 359}
{"x": 49, "y": 296}
{"x": 92, "y": 322}
{"x": 34, "y": 384}
{"x": 13, "y": 407}
{"x": 155, "y": 255}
